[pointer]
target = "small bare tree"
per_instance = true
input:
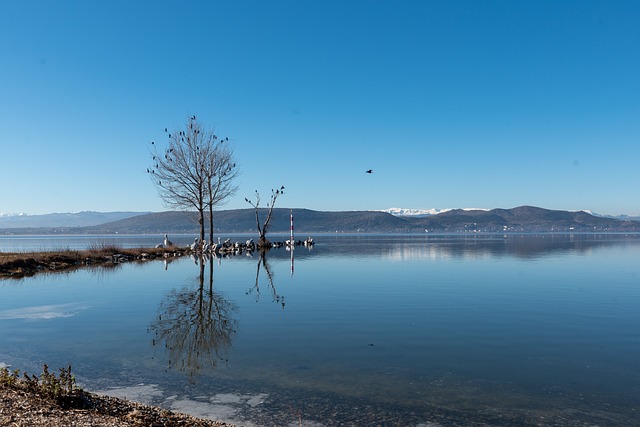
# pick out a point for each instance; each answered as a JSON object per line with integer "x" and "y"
{"x": 196, "y": 171}
{"x": 262, "y": 229}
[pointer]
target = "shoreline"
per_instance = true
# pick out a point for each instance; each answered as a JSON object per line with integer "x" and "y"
{"x": 17, "y": 265}
{"x": 20, "y": 407}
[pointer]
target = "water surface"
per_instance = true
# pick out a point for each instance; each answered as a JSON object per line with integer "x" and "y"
{"x": 393, "y": 330}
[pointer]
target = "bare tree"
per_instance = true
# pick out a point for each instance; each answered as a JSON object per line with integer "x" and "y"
{"x": 196, "y": 170}
{"x": 221, "y": 174}
{"x": 262, "y": 229}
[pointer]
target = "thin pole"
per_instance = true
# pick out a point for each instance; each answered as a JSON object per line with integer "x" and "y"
{"x": 292, "y": 241}
{"x": 292, "y": 245}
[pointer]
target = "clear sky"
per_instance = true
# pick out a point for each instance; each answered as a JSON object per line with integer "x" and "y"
{"x": 453, "y": 104}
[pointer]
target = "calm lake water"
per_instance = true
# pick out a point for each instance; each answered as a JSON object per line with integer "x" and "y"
{"x": 390, "y": 330}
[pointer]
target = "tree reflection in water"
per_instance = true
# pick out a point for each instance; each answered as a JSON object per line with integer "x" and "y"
{"x": 195, "y": 325}
{"x": 262, "y": 262}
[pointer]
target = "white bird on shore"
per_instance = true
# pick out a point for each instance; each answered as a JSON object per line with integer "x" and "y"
{"x": 205, "y": 246}
{"x": 194, "y": 245}
{"x": 167, "y": 242}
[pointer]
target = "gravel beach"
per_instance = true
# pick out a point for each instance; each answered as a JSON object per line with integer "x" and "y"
{"x": 24, "y": 408}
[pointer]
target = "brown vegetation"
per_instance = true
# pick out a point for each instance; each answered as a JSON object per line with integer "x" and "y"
{"x": 51, "y": 400}
{"x": 21, "y": 264}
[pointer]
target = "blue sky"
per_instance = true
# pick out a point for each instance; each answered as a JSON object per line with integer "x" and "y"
{"x": 451, "y": 103}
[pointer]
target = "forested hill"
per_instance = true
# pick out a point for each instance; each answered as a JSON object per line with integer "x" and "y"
{"x": 523, "y": 219}
{"x": 520, "y": 219}
{"x": 244, "y": 221}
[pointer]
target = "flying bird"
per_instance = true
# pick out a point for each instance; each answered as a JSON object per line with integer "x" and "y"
{"x": 369, "y": 171}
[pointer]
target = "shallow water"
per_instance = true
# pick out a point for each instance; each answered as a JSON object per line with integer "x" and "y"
{"x": 388, "y": 330}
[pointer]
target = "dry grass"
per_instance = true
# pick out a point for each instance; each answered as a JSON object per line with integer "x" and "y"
{"x": 21, "y": 264}
{"x": 50, "y": 400}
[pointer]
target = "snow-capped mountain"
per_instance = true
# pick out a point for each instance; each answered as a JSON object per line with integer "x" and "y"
{"x": 423, "y": 212}
{"x": 417, "y": 213}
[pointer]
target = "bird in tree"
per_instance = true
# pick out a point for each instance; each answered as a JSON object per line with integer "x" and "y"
{"x": 195, "y": 172}
{"x": 263, "y": 243}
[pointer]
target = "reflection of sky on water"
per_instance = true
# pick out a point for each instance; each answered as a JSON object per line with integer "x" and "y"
{"x": 397, "y": 325}
{"x": 43, "y": 312}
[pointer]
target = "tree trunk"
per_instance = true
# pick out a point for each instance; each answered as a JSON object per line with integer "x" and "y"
{"x": 263, "y": 242}
{"x": 201, "y": 222}
{"x": 210, "y": 225}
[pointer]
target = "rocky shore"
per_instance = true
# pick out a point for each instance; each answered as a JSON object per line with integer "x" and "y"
{"x": 20, "y": 407}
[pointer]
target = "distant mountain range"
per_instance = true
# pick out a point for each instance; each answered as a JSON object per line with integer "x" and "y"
{"x": 520, "y": 219}
{"x": 69, "y": 219}
{"x": 427, "y": 212}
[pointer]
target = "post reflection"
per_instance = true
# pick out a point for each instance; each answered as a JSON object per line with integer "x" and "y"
{"x": 196, "y": 326}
